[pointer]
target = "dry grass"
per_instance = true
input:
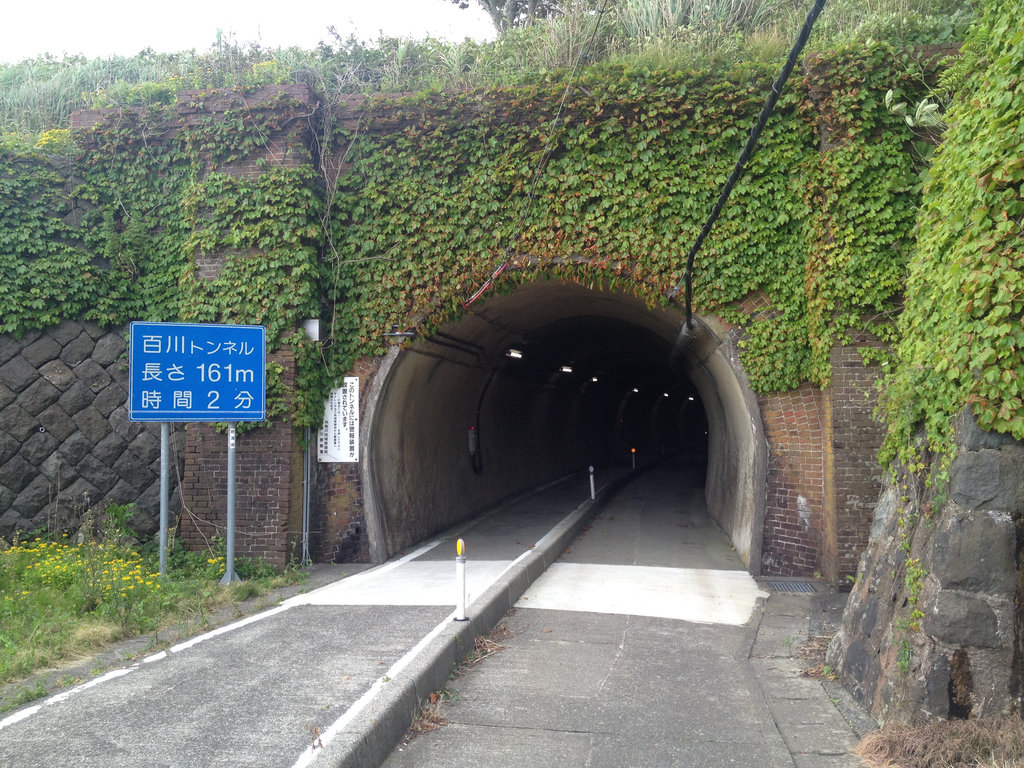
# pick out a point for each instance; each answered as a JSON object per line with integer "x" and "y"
{"x": 484, "y": 646}
{"x": 430, "y": 715}
{"x": 813, "y": 652}
{"x": 982, "y": 743}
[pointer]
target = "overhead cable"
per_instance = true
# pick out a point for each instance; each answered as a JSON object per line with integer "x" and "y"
{"x": 748, "y": 150}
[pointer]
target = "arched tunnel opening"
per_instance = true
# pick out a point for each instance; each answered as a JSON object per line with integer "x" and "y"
{"x": 532, "y": 386}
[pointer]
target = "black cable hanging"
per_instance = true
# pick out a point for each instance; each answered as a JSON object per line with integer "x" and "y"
{"x": 748, "y": 150}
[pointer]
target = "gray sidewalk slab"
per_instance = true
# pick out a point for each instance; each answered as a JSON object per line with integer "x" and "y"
{"x": 334, "y": 677}
{"x": 606, "y": 687}
{"x": 259, "y": 692}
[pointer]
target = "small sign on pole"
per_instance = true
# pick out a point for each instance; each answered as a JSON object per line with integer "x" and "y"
{"x": 339, "y": 435}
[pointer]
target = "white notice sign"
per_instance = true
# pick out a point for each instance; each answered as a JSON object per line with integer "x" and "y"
{"x": 339, "y": 435}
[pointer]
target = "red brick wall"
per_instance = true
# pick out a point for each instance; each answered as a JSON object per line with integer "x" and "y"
{"x": 338, "y": 521}
{"x": 265, "y": 474}
{"x": 794, "y": 428}
{"x": 823, "y": 476}
{"x": 856, "y": 437}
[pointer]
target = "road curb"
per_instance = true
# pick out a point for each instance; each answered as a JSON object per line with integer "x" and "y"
{"x": 370, "y": 737}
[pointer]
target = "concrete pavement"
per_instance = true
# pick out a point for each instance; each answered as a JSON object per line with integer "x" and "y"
{"x": 642, "y": 646}
{"x": 333, "y": 677}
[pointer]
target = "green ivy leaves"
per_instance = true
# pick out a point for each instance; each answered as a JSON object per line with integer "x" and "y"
{"x": 441, "y": 188}
{"x": 961, "y": 328}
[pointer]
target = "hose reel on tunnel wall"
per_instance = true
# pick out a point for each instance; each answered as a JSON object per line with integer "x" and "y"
{"x": 475, "y": 457}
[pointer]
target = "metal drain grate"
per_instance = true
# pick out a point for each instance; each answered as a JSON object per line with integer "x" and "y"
{"x": 791, "y": 586}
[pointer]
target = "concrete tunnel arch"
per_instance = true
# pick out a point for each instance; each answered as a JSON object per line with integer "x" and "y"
{"x": 535, "y": 422}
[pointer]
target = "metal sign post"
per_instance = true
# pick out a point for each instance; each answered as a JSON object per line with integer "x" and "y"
{"x": 189, "y": 372}
{"x": 165, "y": 482}
{"x": 229, "y": 555}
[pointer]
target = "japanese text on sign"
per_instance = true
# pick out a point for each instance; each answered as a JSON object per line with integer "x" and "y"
{"x": 195, "y": 372}
{"x": 339, "y": 435}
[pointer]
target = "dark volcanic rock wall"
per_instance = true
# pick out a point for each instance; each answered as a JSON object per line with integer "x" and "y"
{"x": 962, "y": 657}
{"x": 66, "y": 444}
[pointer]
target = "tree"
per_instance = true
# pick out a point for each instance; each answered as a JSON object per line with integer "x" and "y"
{"x": 506, "y": 14}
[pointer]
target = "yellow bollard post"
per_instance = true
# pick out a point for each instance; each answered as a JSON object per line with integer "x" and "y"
{"x": 460, "y": 581}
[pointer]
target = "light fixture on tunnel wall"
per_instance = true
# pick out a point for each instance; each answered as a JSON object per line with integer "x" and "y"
{"x": 594, "y": 379}
{"x": 312, "y": 328}
{"x": 666, "y": 394}
{"x": 635, "y": 390}
{"x": 566, "y": 369}
{"x": 394, "y": 333}
{"x": 690, "y": 398}
{"x": 514, "y": 353}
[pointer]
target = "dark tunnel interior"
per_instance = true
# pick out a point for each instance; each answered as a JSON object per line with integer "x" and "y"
{"x": 524, "y": 389}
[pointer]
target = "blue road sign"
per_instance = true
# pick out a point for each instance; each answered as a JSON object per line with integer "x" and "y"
{"x": 195, "y": 372}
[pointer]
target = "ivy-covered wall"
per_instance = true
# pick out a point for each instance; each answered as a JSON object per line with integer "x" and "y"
{"x": 611, "y": 187}
{"x": 203, "y": 213}
{"x": 935, "y": 622}
{"x": 389, "y": 213}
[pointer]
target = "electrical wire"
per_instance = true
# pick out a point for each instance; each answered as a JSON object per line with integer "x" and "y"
{"x": 748, "y": 151}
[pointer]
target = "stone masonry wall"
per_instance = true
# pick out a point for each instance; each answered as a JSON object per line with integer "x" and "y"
{"x": 963, "y": 657}
{"x": 66, "y": 444}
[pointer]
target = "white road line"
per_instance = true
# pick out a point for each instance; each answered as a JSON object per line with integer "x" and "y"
{"x": 17, "y": 717}
{"x": 229, "y": 628}
{"x": 308, "y": 756}
{"x": 65, "y": 695}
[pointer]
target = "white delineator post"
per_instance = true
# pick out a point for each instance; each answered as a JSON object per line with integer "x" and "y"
{"x": 460, "y": 580}
{"x": 591, "y": 482}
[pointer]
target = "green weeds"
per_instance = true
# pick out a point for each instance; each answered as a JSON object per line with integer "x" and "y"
{"x": 61, "y": 600}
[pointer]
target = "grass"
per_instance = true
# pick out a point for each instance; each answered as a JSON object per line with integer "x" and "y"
{"x": 61, "y": 601}
{"x": 39, "y": 94}
{"x": 981, "y": 743}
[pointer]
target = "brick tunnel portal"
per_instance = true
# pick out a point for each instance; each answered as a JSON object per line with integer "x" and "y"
{"x": 531, "y": 386}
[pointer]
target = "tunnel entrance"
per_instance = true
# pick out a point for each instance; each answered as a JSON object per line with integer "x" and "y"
{"x": 529, "y": 387}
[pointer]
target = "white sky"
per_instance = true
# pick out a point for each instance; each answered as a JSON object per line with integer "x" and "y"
{"x": 101, "y": 28}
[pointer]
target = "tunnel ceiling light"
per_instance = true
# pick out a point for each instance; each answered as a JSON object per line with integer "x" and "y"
{"x": 635, "y": 389}
{"x": 517, "y": 354}
{"x": 666, "y": 394}
{"x": 566, "y": 369}
{"x": 593, "y": 379}
{"x": 690, "y": 398}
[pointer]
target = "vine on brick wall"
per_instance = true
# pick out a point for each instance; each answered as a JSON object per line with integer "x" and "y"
{"x": 961, "y": 331}
{"x": 443, "y": 187}
{"x": 112, "y": 231}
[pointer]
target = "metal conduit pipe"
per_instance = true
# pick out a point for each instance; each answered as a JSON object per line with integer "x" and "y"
{"x": 305, "y": 559}
{"x": 745, "y": 154}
